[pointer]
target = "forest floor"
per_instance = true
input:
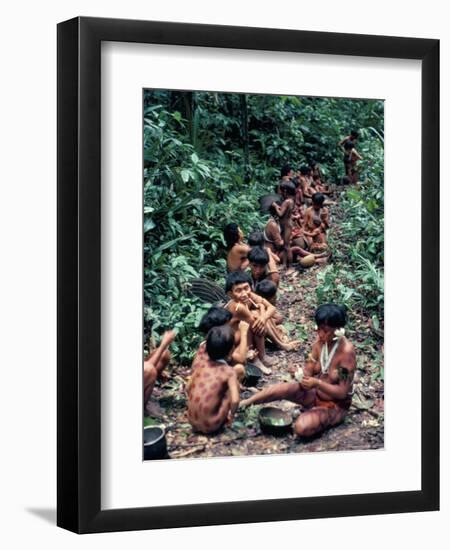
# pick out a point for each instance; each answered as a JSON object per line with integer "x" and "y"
{"x": 363, "y": 428}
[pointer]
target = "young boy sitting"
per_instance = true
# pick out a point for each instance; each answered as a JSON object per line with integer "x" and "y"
{"x": 213, "y": 391}
{"x": 217, "y": 317}
{"x": 256, "y": 238}
{"x": 260, "y": 266}
{"x": 316, "y": 224}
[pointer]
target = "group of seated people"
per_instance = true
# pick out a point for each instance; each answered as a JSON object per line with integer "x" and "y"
{"x": 237, "y": 332}
{"x": 323, "y": 386}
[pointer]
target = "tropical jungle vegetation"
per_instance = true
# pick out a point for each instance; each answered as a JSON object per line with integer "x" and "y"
{"x": 209, "y": 156}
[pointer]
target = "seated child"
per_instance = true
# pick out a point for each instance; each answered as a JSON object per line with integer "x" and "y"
{"x": 260, "y": 266}
{"x": 154, "y": 365}
{"x": 256, "y": 238}
{"x": 217, "y": 317}
{"x": 237, "y": 249}
{"x": 268, "y": 290}
{"x": 213, "y": 391}
{"x": 324, "y": 386}
{"x": 316, "y": 224}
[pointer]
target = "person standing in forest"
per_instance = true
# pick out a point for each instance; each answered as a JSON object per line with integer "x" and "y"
{"x": 353, "y": 136}
{"x": 237, "y": 249}
{"x": 324, "y": 385}
{"x": 284, "y": 213}
{"x": 351, "y": 157}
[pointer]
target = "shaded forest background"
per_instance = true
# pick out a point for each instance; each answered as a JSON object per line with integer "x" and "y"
{"x": 208, "y": 157}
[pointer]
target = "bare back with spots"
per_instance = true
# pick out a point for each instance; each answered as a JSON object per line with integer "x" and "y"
{"x": 209, "y": 401}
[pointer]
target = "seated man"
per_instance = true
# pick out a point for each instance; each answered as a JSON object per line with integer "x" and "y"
{"x": 260, "y": 266}
{"x": 213, "y": 390}
{"x": 325, "y": 385}
{"x": 237, "y": 249}
{"x": 247, "y": 306}
{"x": 155, "y": 363}
{"x": 316, "y": 224}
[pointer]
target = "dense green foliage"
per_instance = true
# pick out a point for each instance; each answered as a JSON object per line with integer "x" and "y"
{"x": 208, "y": 157}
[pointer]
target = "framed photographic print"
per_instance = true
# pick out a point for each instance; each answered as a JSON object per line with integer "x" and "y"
{"x": 231, "y": 203}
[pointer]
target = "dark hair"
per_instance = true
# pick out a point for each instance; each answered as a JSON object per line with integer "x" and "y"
{"x": 266, "y": 288}
{"x": 345, "y": 180}
{"x": 258, "y": 256}
{"x": 348, "y": 145}
{"x": 318, "y": 199}
{"x": 256, "y": 238}
{"x": 231, "y": 234}
{"x": 296, "y": 181}
{"x": 219, "y": 342}
{"x": 354, "y": 134}
{"x": 316, "y": 176}
{"x": 332, "y": 315}
{"x": 304, "y": 170}
{"x": 288, "y": 187}
{"x": 237, "y": 278}
{"x": 214, "y": 317}
{"x": 272, "y": 211}
{"x": 285, "y": 170}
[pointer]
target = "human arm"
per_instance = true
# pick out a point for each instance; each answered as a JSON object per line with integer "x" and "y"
{"x": 339, "y": 390}
{"x": 312, "y": 365}
{"x": 356, "y": 154}
{"x": 281, "y": 210}
{"x": 267, "y": 310}
{"x": 240, "y": 353}
{"x": 166, "y": 340}
{"x": 233, "y": 387}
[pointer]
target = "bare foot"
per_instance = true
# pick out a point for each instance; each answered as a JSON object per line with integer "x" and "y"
{"x": 292, "y": 346}
{"x": 261, "y": 366}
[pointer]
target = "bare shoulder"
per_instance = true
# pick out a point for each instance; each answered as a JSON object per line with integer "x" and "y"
{"x": 349, "y": 354}
{"x": 315, "y": 350}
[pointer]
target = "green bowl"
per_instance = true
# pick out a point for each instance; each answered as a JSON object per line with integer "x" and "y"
{"x": 275, "y": 421}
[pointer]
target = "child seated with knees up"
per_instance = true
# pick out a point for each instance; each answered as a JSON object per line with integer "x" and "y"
{"x": 260, "y": 268}
{"x": 268, "y": 290}
{"x": 256, "y": 238}
{"x": 213, "y": 391}
{"x": 316, "y": 224}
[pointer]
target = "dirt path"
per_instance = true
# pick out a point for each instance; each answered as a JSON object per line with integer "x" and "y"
{"x": 362, "y": 429}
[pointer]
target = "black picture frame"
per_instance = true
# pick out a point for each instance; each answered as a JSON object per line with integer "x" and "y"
{"x": 79, "y": 275}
